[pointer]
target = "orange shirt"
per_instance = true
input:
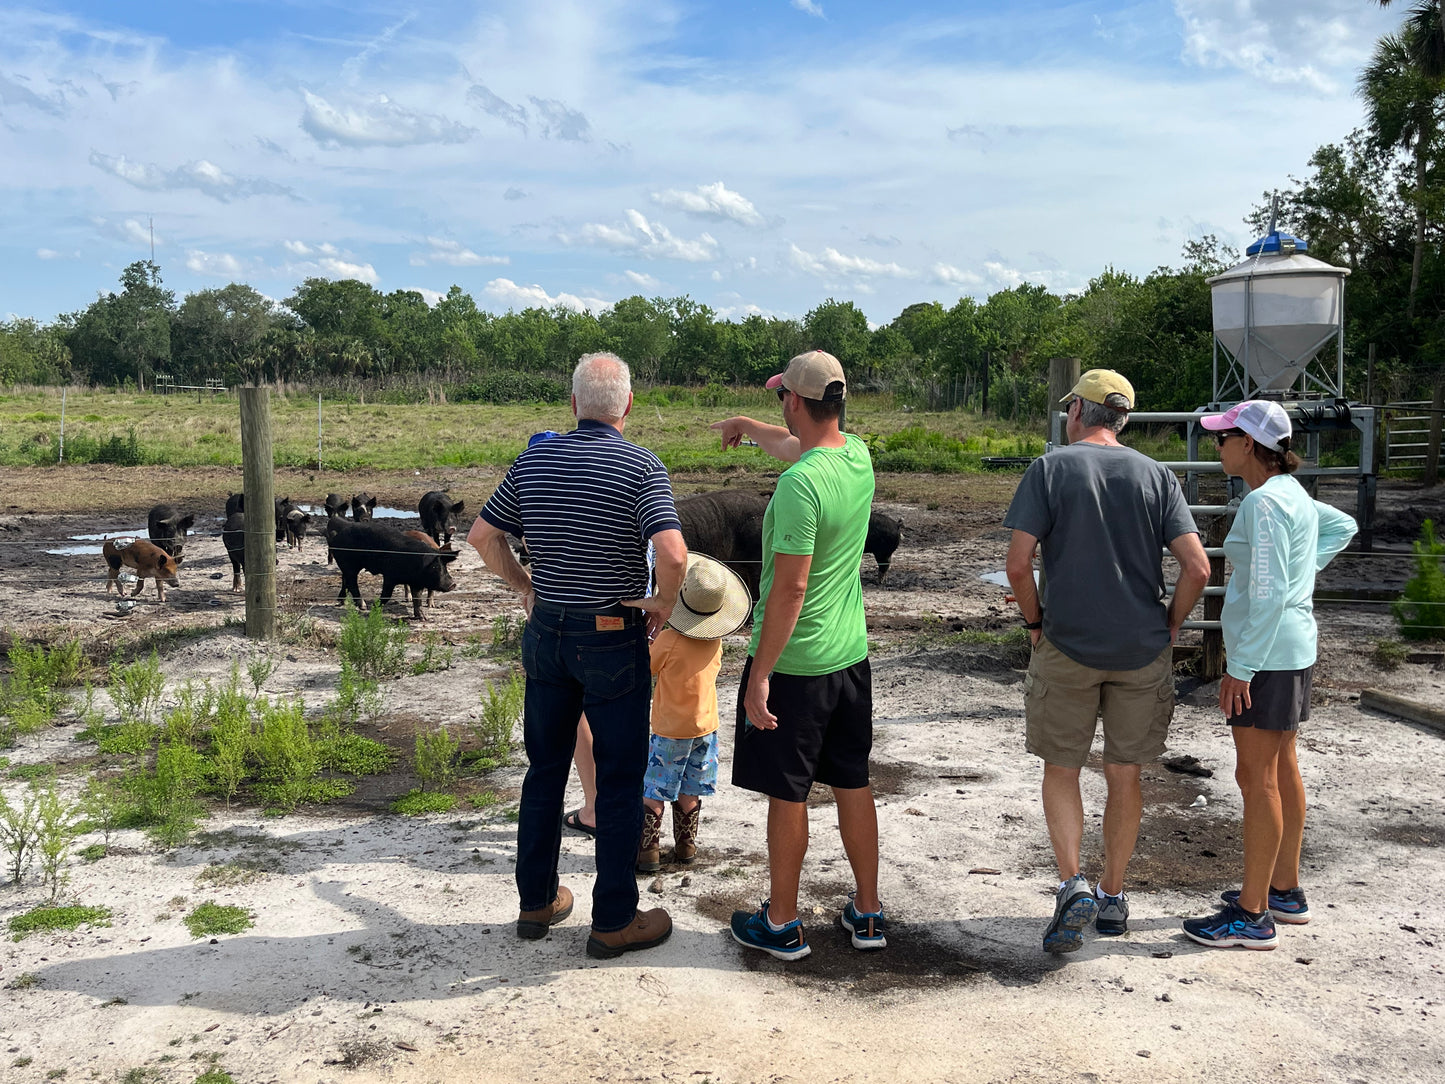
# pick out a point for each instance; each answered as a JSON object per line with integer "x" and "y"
{"x": 684, "y": 701}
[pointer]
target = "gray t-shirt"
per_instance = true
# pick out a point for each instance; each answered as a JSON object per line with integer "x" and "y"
{"x": 1103, "y": 515}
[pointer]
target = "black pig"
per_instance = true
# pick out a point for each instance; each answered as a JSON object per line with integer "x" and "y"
{"x": 385, "y": 551}
{"x": 233, "y": 537}
{"x": 883, "y": 534}
{"x": 438, "y": 514}
{"x": 335, "y": 505}
{"x": 167, "y": 529}
{"x": 361, "y": 506}
{"x": 235, "y": 502}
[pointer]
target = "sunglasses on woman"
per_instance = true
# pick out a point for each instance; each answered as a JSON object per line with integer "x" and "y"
{"x": 1220, "y": 438}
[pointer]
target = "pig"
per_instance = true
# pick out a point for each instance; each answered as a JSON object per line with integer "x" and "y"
{"x": 284, "y": 507}
{"x": 883, "y": 535}
{"x": 727, "y": 524}
{"x": 361, "y": 506}
{"x": 147, "y": 559}
{"x": 296, "y": 524}
{"x": 167, "y": 529}
{"x": 233, "y": 537}
{"x": 422, "y": 536}
{"x": 385, "y": 551}
{"x": 335, "y": 505}
{"x": 438, "y": 514}
{"x": 235, "y": 502}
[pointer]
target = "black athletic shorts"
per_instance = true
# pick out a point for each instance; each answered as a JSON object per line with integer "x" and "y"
{"x": 824, "y": 734}
{"x": 1278, "y": 700}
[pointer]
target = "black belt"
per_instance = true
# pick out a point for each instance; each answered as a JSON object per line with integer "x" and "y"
{"x": 631, "y": 615}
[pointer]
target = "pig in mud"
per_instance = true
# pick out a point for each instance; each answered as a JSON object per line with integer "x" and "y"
{"x": 385, "y": 551}
{"x": 361, "y": 506}
{"x": 438, "y": 514}
{"x": 167, "y": 529}
{"x": 233, "y": 537}
{"x": 147, "y": 559}
{"x": 235, "y": 502}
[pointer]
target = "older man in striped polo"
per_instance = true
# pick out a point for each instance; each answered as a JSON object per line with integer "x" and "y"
{"x": 588, "y": 502}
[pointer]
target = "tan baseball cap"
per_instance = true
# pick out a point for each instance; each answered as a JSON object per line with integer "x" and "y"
{"x": 1098, "y": 384}
{"x": 814, "y": 375}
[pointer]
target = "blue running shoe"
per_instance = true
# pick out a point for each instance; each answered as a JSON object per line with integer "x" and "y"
{"x": 1288, "y": 907}
{"x": 869, "y": 928}
{"x": 1232, "y": 926}
{"x": 1074, "y": 907}
{"x": 751, "y": 930}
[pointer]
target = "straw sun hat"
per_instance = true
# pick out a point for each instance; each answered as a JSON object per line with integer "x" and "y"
{"x": 713, "y": 601}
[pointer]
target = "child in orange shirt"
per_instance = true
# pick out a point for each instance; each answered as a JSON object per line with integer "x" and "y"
{"x": 686, "y": 657}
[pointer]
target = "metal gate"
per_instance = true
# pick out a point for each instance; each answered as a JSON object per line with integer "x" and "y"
{"x": 1407, "y": 432}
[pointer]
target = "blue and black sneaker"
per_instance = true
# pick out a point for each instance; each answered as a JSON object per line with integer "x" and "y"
{"x": 1113, "y": 917}
{"x": 1232, "y": 926}
{"x": 1288, "y": 907}
{"x": 751, "y": 930}
{"x": 869, "y": 928}
{"x": 1074, "y": 907}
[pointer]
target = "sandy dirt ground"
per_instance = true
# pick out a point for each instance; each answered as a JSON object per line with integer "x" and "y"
{"x": 383, "y": 947}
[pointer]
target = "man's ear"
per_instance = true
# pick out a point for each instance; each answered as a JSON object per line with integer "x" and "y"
{"x": 628, "y": 410}
{"x": 574, "y": 406}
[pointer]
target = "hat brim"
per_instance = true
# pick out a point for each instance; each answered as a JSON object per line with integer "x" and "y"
{"x": 774, "y": 382}
{"x": 729, "y": 617}
{"x": 1217, "y": 422}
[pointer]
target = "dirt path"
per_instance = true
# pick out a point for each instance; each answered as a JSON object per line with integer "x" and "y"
{"x": 383, "y": 946}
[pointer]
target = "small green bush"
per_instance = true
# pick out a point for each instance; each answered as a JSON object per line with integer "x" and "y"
{"x": 417, "y": 803}
{"x": 125, "y": 739}
{"x": 355, "y": 755}
{"x": 210, "y": 918}
{"x": 165, "y": 799}
{"x": 287, "y": 757}
{"x": 435, "y": 757}
{"x": 373, "y": 645}
{"x": 1389, "y": 654}
{"x": 510, "y": 386}
{"x": 136, "y": 689}
{"x": 435, "y": 655}
{"x": 1420, "y": 610}
{"x": 57, "y": 826}
{"x": 49, "y": 919}
{"x": 502, "y": 705}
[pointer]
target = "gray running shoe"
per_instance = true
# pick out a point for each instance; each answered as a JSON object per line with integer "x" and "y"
{"x": 1074, "y": 906}
{"x": 1113, "y": 916}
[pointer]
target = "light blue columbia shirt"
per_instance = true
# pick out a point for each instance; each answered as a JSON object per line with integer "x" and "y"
{"x": 1279, "y": 540}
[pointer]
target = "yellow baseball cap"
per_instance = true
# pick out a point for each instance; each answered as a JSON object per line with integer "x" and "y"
{"x": 1098, "y": 384}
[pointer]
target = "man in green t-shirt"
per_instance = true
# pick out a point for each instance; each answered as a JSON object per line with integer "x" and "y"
{"x": 805, "y": 705}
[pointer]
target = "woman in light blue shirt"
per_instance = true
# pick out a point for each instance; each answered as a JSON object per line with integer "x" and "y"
{"x": 1279, "y": 540}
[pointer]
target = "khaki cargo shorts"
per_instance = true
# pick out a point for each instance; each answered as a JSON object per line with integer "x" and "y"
{"x": 1063, "y": 698}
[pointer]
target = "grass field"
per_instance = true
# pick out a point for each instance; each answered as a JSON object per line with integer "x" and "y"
{"x": 181, "y": 430}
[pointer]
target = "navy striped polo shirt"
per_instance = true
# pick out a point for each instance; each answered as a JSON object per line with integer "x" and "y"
{"x": 586, "y": 502}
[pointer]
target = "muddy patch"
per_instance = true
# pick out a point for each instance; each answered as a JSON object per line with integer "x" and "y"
{"x": 1411, "y": 833}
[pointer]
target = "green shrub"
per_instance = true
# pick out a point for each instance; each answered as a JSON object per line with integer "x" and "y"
{"x": 1420, "y": 610}
{"x": 510, "y": 386}
{"x": 32, "y": 696}
{"x": 57, "y": 825}
{"x": 165, "y": 799}
{"x": 353, "y": 754}
{"x": 136, "y": 689}
{"x": 123, "y": 451}
{"x": 106, "y": 803}
{"x": 1389, "y": 654}
{"x": 435, "y": 655}
{"x": 502, "y": 705}
{"x": 125, "y": 739}
{"x": 48, "y": 919}
{"x": 287, "y": 758}
{"x": 373, "y": 645}
{"x": 356, "y": 696}
{"x": 20, "y": 833}
{"x": 210, "y": 918}
{"x": 435, "y": 757}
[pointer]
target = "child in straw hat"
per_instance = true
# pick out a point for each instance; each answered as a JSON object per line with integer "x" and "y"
{"x": 686, "y": 658}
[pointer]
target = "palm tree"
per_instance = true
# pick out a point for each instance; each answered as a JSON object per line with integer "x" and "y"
{"x": 1424, "y": 29}
{"x": 1404, "y": 106}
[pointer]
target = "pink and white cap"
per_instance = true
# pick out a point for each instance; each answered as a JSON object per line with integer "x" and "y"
{"x": 1266, "y": 422}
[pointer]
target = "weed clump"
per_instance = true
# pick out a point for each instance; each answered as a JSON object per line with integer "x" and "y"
{"x": 418, "y": 803}
{"x": 210, "y": 918}
{"x": 502, "y": 705}
{"x": 50, "y": 919}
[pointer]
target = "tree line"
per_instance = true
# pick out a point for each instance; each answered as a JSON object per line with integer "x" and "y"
{"x": 1373, "y": 202}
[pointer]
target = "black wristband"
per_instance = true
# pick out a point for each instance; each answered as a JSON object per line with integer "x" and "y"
{"x": 1033, "y": 625}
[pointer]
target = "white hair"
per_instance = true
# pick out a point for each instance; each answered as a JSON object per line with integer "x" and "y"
{"x": 1112, "y": 414}
{"x": 601, "y": 384}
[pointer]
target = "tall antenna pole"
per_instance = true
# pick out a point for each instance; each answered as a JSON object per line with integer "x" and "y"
{"x": 153, "y": 239}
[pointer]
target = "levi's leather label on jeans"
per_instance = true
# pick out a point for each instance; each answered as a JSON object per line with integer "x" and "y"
{"x": 609, "y": 624}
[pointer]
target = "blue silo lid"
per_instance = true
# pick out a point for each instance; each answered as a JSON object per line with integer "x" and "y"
{"x": 1276, "y": 242}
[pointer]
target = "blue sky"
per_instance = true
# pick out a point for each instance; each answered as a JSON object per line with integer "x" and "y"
{"x": 757, "y": 156}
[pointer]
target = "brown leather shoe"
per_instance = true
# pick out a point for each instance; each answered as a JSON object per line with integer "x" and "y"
{"x": 649, "y": 851}
{"x": 646, "y": 930}
{"x": 684, "y": 832}
{"x": 533, "y": 925}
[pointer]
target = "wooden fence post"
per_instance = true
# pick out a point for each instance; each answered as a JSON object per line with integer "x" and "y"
{"x": 258, "y": 484}
{"x": 1432, "y": 452}
{"x": 1063, "y": 375}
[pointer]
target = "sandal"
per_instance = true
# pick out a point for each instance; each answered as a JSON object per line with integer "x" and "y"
{"x": 573, "y": 820}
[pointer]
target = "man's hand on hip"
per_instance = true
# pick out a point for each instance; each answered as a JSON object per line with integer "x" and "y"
{"x": 658, "y": 611}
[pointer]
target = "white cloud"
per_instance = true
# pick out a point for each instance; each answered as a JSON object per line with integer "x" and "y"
{"x": 639, "y": 278}
{"x": 222, "y": 264}
{"x": 809, "y": 7}
{"x": 326, "y": 261}
{"x": 47, "y": 254}
{"x": 949, "y": 275}
{"x": 507, "y": 292}
{"x": 711, "y": 201}
{"x": 129, "y": 231}
{"x": 650, "y": 239}
{"x": 431, "y": 297}
{"x": 559, "y": 121}
{"x": 832, "y": 262}
{"x": 453, "y": 254}
{"x": 379, "y": 123}
{"x": 201, "y": 175}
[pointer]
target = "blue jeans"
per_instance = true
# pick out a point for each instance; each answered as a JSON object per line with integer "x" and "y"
{"x": 573, "y": 667}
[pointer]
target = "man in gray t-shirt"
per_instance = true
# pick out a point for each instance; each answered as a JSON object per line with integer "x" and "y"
{"x": 1102, "y": 633}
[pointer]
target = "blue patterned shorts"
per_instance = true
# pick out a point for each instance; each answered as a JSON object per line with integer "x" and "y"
{"x": 681, "y": 766}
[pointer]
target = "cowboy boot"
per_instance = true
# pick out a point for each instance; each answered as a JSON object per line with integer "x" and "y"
{"x": 684, "y": 831}
{"x": 649, "y": 851}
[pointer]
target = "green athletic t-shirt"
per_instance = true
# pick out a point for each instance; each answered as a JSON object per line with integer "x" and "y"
{"x": 821, "y": 507}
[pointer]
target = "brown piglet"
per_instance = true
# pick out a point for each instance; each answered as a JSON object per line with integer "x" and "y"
{"x": 147, "y": 559}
